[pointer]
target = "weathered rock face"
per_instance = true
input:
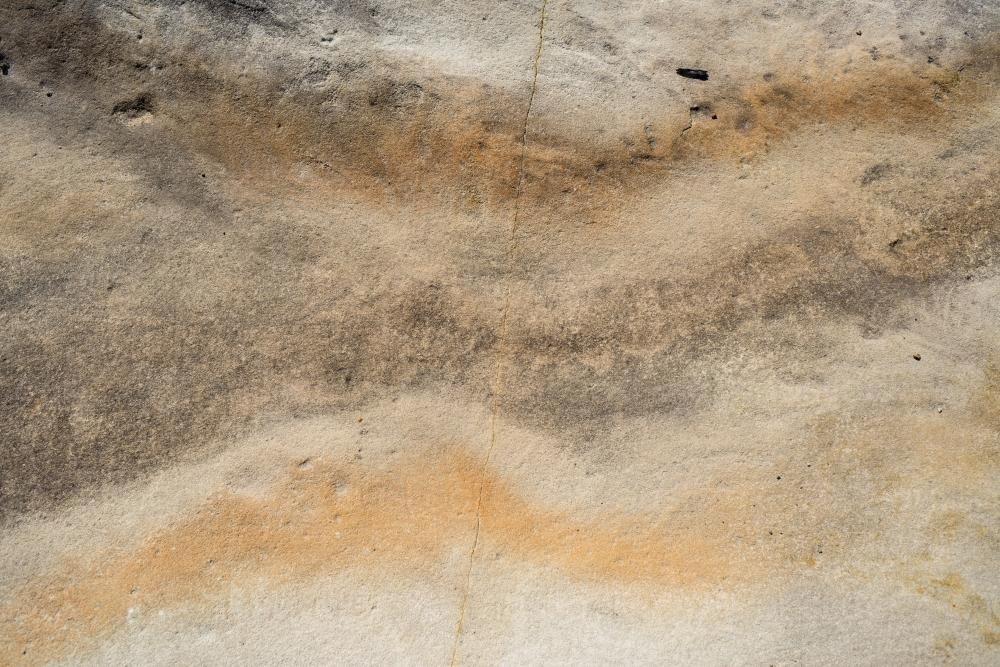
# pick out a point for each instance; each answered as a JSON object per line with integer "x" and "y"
{"x": 343, "y": 332}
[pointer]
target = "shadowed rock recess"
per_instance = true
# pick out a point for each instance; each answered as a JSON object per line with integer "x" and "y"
{"x": 471, "y": 333}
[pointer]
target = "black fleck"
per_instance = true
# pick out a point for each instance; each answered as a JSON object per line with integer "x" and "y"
{"x": 687, "y": 73}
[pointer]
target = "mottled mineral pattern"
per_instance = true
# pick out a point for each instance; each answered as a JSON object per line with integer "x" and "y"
{"x": 508, "y": 332}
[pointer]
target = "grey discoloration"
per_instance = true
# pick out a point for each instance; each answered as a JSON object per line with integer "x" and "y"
{"x": 821, "y": 272}
{"x": 876, "y": 172}
{"x": 160, "y": 331}
{"x": 94, "y": 403}
{"x": 136, "y": 106}
{"x": 471, "y": 330}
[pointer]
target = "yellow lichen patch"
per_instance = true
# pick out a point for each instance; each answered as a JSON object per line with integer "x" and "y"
{"x": 953, "y": 590}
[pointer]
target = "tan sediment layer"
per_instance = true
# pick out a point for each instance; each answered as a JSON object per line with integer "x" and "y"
{"x": 326, "y": 517}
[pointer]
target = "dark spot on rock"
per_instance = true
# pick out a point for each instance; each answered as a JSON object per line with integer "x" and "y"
{"x": 242, "y": 12}
{"x": 744, "y": 122}
{"x": 916, "y": 357}
{"x": 689, "y": 73}
{"x": 875, "y": 172}
{"x": 135, "y": 107}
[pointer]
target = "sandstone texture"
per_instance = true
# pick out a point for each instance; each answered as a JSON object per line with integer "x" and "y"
{"x": 470, "y": 333}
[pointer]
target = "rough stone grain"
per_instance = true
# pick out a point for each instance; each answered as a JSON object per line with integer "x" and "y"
{"x": 470, "y": 333}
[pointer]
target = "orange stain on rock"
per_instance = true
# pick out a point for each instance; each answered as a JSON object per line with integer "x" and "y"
{"x": 323, "y": 519}
{"x": 611, "y": 549}
{"x": 413, "y": 138}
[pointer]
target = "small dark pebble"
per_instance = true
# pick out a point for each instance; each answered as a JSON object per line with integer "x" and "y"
{"x": 917, "y": 357}
{"x": 687, "y": 73}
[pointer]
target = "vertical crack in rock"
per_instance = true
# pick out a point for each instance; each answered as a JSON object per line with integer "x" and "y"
{"x": 501, "y": 335}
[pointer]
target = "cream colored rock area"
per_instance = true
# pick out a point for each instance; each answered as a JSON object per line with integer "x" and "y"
{"x": 433, "y": 333}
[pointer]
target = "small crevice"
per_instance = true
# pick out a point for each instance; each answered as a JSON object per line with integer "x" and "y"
{"x": 501, "y": 337}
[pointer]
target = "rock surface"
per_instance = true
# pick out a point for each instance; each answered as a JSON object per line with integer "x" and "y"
{"x": 471, "y": 333}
